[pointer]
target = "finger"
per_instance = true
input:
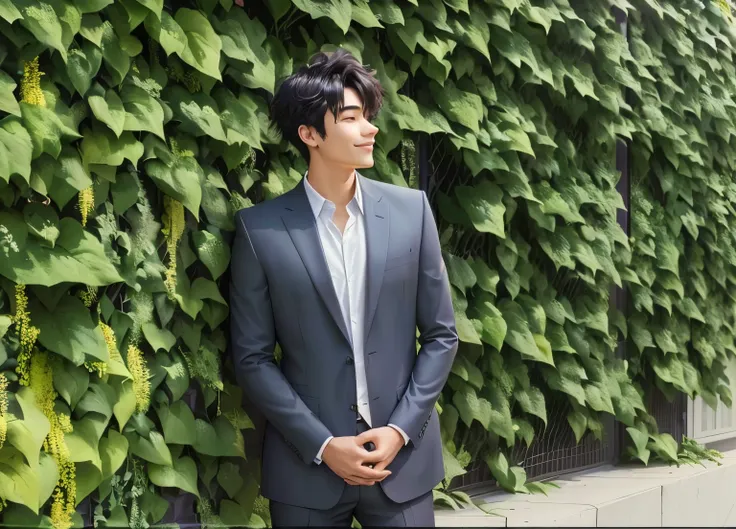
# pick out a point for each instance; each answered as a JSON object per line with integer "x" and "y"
{"x": 369, "y": 473}
{"x": 382, "y": 465}
{"x": 375, "y": 457}
{"x": 368, "y": 435}
{"x": 351, "y": 482}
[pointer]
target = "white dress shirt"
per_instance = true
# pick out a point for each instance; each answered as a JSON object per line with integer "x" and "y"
{"x": 345, "y": 253}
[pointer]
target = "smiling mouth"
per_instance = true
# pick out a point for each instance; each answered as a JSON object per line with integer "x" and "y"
{"x": 366, "y": 146}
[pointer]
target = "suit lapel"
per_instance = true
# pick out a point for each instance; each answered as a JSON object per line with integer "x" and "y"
{"x": 302, "y": 226}
{"x": 376, "y": 234}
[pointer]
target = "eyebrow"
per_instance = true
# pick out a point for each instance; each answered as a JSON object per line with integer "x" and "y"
{"x": 350, "y": 107}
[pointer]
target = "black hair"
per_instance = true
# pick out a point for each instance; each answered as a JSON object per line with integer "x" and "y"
{"x": 304, "y": 97}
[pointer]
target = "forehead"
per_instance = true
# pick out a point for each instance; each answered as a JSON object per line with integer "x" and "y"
{"x": 351, "y": 98}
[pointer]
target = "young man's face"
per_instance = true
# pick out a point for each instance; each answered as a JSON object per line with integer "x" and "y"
{"x": 349, "y": 139}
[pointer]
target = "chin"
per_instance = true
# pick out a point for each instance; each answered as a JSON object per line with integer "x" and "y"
{"x": 365, "y": 164}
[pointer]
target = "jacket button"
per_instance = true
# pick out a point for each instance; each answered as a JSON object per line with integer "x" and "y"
{"x": 354, "y": 407}
{"x": 349, "y": 360}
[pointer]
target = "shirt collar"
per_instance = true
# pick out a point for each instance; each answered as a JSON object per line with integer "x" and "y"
{"x": 317, "y": 201}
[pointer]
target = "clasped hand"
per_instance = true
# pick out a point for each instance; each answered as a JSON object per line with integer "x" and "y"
{"x": 348, "y": 458}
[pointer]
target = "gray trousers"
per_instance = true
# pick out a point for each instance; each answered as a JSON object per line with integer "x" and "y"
{"x": 370, "y": 506}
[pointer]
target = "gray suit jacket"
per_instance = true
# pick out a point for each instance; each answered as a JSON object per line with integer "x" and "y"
{"x": 281, "y": 291}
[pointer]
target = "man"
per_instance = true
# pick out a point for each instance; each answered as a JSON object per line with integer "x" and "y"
{"x": 341, "y": 271}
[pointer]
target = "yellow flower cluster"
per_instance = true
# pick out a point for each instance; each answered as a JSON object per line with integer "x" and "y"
{"x": 30, "y": 84}
{"x": 726, "y": 8}
{"x": 3, "y": 410}
{"x": 86, "y": 203}
{"x": 65, "y": 492}
{"x": 173, "y": 229}
{"x": 96, "y": 367}
{"x": 141, "y": 383}
{"x": 28, "y": 334}
{"x": 112, "y": 343}
{"x": 88, "y": 296}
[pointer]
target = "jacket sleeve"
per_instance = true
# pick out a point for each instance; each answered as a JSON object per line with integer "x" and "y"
{"x": 253, "y": 339}
{"x": 437, "y": 335}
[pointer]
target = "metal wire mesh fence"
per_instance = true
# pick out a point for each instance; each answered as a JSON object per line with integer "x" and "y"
{"x": 553, "y": 452}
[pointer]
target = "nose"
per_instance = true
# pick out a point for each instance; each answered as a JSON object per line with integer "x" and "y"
{"x": 370, "y": 129}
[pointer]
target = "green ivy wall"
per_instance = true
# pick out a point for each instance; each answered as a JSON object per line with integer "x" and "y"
{"x": 132, "y": 131}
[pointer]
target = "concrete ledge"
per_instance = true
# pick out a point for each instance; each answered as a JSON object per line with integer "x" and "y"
{"x": 623, "y": 496}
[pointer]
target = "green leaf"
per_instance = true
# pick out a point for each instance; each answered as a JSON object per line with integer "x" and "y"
{"x": 218, "y": 439}
{"x": 519, "y": 336}
{"x": 99, "y": 146}
{"x": 42, "y": 221}
{"x": 76, "y": 340}
{"x": 531, "y": 401}
{"x": 125, "y": 404}
{"x": 87, "y": 478}
{"x": 182, "y": 475}
{"x": 9, "y": 12}
{"x": 113, "y": 452}
{"x": 203, "y": 44}
{"x": 640, "y": 439}
{"x": 338, "y": 11}
{"x": 84, "y": 439}
{"x": 167, "y": 32}
{"x": 212, "y": 251}
{"x": 486, "y": 276}
{"x": 463, "y": 107}
{"x": 18, "y": 481}
{"x": 77, "y": 253}
{"x": 178, "y": 423}
{"x": 114, "y": 54}
{"x": 8, "y": 103}
{"x": 243, "y": 39}
{"x": 142, "y": 112}
{"x": 153, "y": 449}
{"x": 92, "y": 6}
{"x": 98, "y": 398}
{"x": 459, "y": 272}
{"x": 48, "y": 476}
{"x": 181, "y": 178}
{"x": 471, "y": 407}
{"x": 158, "y": 338}
{"x": 362, "y": 14}
{"x": 42, "y": 21}
{"x": 155, "y": 6}
{"x": 598, "y": 397}
{"x": 484, "y": 207}
{"x": 71, "y": 383}
{"x": 239, "y": 118}
{"x": 499, "y": 466}
{"x": 494, "y": 326}
{"x": 198, "y": 113}
{"x": 16, "y": 149}
{"x": 229, "y": 478}
{"x": 45, "y": 129}
{"x": 579, "y": 423}
{"x": 29, "y": 434}
{"x": 109, "y": 110}
{"x": 664, "y": 446}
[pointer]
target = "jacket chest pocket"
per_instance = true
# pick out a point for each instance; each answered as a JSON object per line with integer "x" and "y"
{"x": 402, "y": 259}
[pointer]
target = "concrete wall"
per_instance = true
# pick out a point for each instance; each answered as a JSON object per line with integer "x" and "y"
{"x": 655, "y": 496}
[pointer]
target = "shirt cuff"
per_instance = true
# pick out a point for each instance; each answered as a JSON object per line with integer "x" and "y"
{"x": 318, "y": 459}
{"x": 403, "y": 434}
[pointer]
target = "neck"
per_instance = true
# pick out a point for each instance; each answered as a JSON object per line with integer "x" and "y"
{"x": 336, "y": 184}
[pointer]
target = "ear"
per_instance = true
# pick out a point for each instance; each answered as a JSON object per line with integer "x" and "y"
{"x": 308, "y": 135}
